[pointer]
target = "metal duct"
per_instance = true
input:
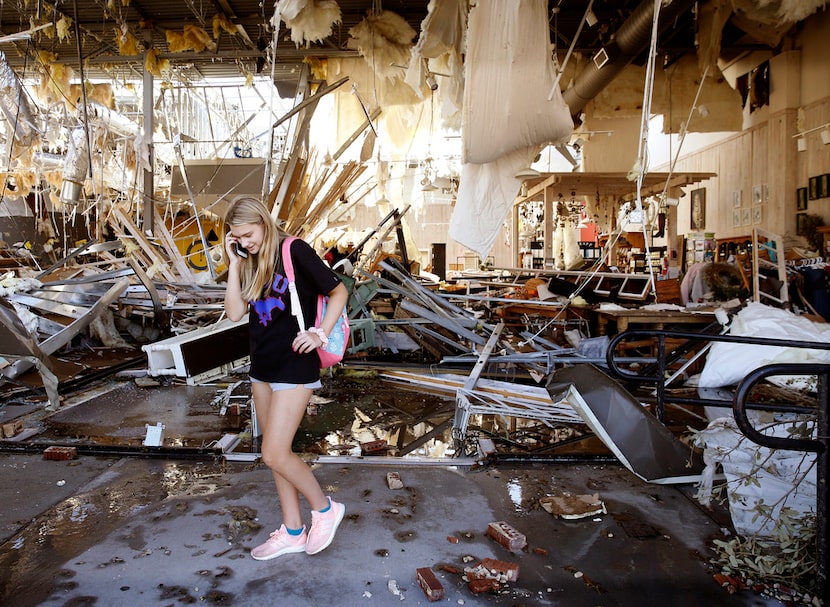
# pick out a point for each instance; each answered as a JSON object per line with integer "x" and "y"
{"x": 630, "y": 40}
{"x": 102, "y": 116}
{"x": 15, "y": 105}
{"x": 75, "y": 167}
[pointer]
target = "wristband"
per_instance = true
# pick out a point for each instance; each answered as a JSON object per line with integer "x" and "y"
{"x": 321, "y": 334}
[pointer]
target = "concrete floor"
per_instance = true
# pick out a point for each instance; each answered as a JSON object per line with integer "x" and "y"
{"x": 136, "y": 530}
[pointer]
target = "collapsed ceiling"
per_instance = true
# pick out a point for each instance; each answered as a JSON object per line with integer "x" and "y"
{"x": 222, "y": 38}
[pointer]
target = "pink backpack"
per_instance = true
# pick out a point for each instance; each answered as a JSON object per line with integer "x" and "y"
{"x": 331, "y": 353}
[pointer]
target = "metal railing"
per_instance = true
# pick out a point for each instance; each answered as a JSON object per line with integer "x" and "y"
{"x": 656, "y": 373}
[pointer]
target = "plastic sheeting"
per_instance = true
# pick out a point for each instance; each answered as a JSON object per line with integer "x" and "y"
{"x": 509, "y": 77}
{"x": 509, "y": 112}
{"x": 728, "y": 363}
{"x": 756, "y": 475}
{"x": 442, "y": 36}
{"x": 485, "y": 193}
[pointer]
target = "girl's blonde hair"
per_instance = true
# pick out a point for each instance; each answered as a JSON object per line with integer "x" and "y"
{"x": 256, "y": 271}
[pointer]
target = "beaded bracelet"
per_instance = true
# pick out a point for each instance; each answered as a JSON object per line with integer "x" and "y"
{"x": 321, "y": 334}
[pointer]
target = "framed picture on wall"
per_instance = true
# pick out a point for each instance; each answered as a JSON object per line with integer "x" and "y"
{"x": 757, "y": 194}
{"x": 824, "y": 186}
{"x": 698, "y": 218}
{"x": 813, "y": 194}
{"x": 746, "y": 217}
{"x": 800, "y": 223}
{"x": 757, "y": 215}
{"x": 736, "y": 218}
{"x": 801, "y": 199}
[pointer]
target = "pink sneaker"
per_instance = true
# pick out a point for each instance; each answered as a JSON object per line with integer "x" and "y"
{"x": 323, "y": 527}
{"x": 280, "y": 542}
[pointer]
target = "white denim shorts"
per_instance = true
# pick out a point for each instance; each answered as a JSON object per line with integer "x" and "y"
{"x": 276, "y": 386}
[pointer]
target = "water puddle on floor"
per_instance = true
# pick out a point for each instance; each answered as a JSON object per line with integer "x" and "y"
{"x": 78, "y": 522}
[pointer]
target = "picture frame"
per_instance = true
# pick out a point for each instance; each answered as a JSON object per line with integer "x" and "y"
{"x": 813, "y": 192}
{"x": 757, "y": 194}
{"x": 746, "y": 217}
{"x": 757, "y": 215}
{"x": 824, "y": 185}
{"x": 736, "y": 199}
{"x": 800, "y": 223}
{"x": 801, "y": 199}
{"x": 736, "y": 218}
{"x": 698, "y": 209}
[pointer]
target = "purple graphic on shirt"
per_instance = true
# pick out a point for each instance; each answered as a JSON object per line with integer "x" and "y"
{"x": 268, "y": 304}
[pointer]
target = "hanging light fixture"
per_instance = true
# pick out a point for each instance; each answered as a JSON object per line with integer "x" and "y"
{"x": 527, "y": 173}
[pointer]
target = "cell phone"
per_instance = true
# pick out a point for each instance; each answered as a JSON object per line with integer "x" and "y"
{"x": 240, "y": 250}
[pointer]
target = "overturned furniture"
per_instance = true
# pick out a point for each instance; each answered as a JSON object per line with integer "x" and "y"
{"x": 201, "y": 355}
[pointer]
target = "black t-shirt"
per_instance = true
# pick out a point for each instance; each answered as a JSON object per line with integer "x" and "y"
{"x": 273, "y": 327}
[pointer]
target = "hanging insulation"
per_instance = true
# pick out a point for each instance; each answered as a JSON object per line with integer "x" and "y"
{"x": 309, "y": 20}
{"x": 384, "y": 40}
{"x": 192, "y": 38}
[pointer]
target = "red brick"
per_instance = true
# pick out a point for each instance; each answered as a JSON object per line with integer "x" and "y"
{"x": 430, "y": 584}
{"x": 452, "y": 539}
{"x": 486, "y": 585}
{"x": 374, "y": 446}
{"x": 59, "y": 453}
{"x": 507, "y": 536}
{"x": 502, "y": 568}
{"x": 450, "y": 569}
{"x": 540, "y": 551}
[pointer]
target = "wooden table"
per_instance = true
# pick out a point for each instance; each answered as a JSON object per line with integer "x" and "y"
{"x": 650, "y": 319}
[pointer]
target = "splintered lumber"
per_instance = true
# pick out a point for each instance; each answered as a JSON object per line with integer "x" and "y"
{"x": 345, "y": 179}
{"x": 157, "y": 263}
{"x": 500, "y": 398}
{"x": 166, "y": 238}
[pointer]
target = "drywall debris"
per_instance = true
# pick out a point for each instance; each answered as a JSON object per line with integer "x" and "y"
{"x": 573, "y": 506}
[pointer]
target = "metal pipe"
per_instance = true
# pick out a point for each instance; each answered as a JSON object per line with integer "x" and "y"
{"x": 75, "y": 167}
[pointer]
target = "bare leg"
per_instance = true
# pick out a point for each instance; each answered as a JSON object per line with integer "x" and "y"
{"x": 279, "y": 414}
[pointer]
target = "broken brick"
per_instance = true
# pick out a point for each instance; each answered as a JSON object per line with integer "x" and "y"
{"x": 485, "y": 585}
{"x": 429, "y": 584}
{"x": 60, "y": 453}
{"x": 509, "y": 571}
{"x": 507, "y": 536}
{"x": 452, "y": 539}
{"x": 449, "y": 569}
{"x": 375, "y": 446}
{"x": 540, "y": 551}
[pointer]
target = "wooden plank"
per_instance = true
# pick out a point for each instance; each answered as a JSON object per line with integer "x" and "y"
{"x": 156, "y": 262}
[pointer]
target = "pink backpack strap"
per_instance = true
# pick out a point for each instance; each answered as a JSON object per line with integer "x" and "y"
{"x": 287, "y": 262}
{"x": 288, "y": 266}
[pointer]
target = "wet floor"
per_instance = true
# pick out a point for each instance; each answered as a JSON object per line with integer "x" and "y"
{"x": 149, "y": 532}
{"x": 130, "y": 530}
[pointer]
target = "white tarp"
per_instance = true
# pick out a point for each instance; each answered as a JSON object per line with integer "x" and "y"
{"x": 758, "y": 478}
{"x": 508, "y": 114}
{"x": 728, "y": 363}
